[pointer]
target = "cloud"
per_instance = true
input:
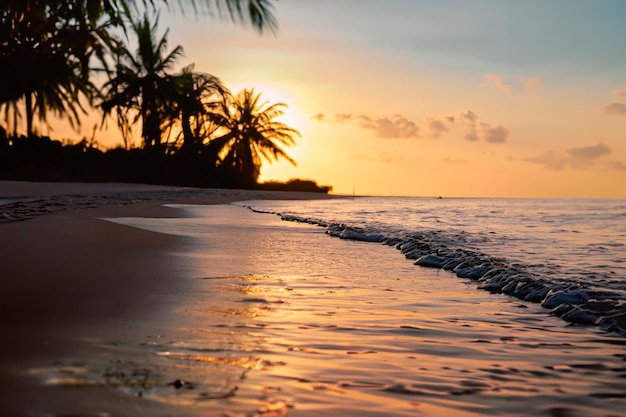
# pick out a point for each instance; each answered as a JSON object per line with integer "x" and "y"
{"x": 398, "y": 126}
{"x": 620, "y": 166}
{"x": 615, "y": 108}
{"x": 619, "y": 94}
{"x": 470, "y": 119}
{"x": 437, "y": 127}
{"x": 498, "y": 134}
{"x": 588, "y": 153}
{"x": 364, "y": 118}
{"x": 532, "y": 83}
{"x": 343, "y": 117}
{"x": 496, "y": 81}
{"x": 395, "y": 127}
{"x": 472, "y": 135}
{"x": 468, "y": 116}
{"x": 526, "y": 83}
{"x": 549, "y": 159}
{"x": 577, "y": 158}
{"x": 477, "y": 130}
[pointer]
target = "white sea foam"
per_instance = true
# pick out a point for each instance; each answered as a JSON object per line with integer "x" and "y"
{"x": 280, "y": 315}
{"x": 538, "y": 250}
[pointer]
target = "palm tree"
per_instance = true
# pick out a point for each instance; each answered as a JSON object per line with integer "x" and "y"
{"x": 194, "y": 97}
{"x": 46, "y": 47}
{"x": 256, "y": 13}
{"x": 44, "y": 59}
{"x": 142, "y": 82}
{"x": 249, "y": 135}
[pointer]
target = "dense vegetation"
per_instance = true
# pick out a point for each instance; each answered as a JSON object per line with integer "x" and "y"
{"x": 193, "y": 130}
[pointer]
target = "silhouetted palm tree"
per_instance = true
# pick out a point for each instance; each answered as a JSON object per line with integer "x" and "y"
{"x": 256, "y": 13}
{"x": 250, "y": 134}
{"x": 46, "y": 47}
{"x": 195, "y": 96}
{"x": 142, "y": 82}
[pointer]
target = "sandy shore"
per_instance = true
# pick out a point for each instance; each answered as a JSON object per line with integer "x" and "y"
{"x": 68, "y": 276}
{"x": 226, "y": 312}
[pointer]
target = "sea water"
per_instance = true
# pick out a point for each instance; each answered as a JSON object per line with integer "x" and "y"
{"x": 568, "y": 254}
{"x": 280, "y": 318}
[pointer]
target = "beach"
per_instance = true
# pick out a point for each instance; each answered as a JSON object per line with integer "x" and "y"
{"x": 147, "y": 304}
{"x": 68, "y": 276}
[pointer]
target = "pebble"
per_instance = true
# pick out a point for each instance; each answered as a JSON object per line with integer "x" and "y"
{"x": 572, "y": 302}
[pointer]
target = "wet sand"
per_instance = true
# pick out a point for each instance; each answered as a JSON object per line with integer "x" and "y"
{"x": 67, "y": 276}
{"x": 225, "y": 312}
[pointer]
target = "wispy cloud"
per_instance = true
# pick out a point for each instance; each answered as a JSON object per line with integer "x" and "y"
{"x": 497, "y": 81}
{"x": 395, "y": 127}
{"x": 343, "y": 117}
{"x": 549, "y": 160}
{"x": 495, "y": 134}
{"x": 477, "y": 129}
{"x": 619, "y": 94}
{"x": 619, "y": 166}
{"x": 532, "y": 83}
{"x": 468, "y": 116}
{"x": 578, "y": 158}
{"x": 401, "y": 127}
{"x": 525, "y": 83}
{"x": 589, "y": 153}
{"x": 617, "y": 108}
{"x": 438, "y": 127}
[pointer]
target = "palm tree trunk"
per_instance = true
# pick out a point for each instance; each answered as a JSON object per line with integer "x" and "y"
{"x": 188, "y": 136}
{"x": 28, "y": 101}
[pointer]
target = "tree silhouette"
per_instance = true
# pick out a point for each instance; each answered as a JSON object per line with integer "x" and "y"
{"x": 142, "y": 82}
{"x": 249, "y": 134}
{"x": 47, "y": 46}
{"x": 195, "y": 96}
{"x": 45, "y": 49}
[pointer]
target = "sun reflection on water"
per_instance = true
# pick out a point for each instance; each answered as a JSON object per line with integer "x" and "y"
{"x": 304, "y": 326}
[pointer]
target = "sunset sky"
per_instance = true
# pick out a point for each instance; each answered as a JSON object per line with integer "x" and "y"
{"x": 427, "y": 98}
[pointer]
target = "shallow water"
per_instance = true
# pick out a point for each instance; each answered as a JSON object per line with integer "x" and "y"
{"x": 567, "y": 254}
{"x": 579, "y": 238}
{"x": 281, "y": 320}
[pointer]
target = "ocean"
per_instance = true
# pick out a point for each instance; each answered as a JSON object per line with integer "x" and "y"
{"x": 309, "y": 308}
{"x": 567, "y": 254}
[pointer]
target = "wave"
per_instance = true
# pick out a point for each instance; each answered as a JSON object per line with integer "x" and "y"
{"x": 573, "y": 300}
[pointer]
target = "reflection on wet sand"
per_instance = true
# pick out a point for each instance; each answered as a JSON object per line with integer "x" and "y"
{"x": 301, "y": 345}
{"x": 362, "y": 334}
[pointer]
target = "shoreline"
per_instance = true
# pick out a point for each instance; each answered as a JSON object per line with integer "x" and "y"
{"x": 227, "y": 312}
{"x": 25, "y": 200}
{"x": 69, "y": 276}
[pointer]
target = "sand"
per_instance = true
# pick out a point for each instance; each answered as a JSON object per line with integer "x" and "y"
{"x": 67, "y": 275}
{"x": 236, "y": 313}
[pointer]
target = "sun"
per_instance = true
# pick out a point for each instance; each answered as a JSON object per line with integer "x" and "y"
{"x": 293, "y": 115}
